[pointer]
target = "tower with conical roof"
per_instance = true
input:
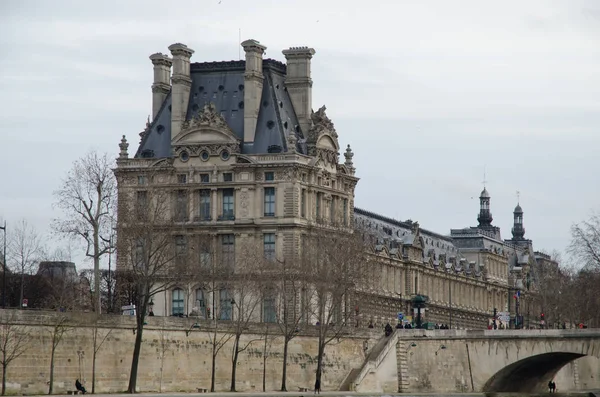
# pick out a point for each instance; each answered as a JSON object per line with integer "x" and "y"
{"x": 518, "y": 231}
{"x": 485, "y": 215}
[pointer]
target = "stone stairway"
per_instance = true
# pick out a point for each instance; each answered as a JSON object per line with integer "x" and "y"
{"x": 402, "y": 361}
{"x": 371, "y": 362}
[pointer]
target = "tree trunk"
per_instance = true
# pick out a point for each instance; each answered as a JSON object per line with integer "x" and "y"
{"x": 286, "y": 341}
{"x": 22, "y": 288}
{"x": 212, "y": 373}
{"x": 320, "y": 362}
{"x": 3, "y": 379}
{"x": 264, "y": 379}
{"x": 136, "y": 356}
{"x": 234, "y": 359}
{"x": 98, "y": 300}
{"x": 51, "y": 384}
{"x": 94, "y": 367}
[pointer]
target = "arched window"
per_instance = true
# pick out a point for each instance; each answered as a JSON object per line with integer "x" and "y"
{"x": 201, "y": 303}
{"x": 177, "y": 304}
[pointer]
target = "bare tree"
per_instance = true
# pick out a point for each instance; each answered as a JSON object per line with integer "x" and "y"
{"x": 334, "y": 259}
{"x": 152, "y": 257}
{"x": 24, "y": 249}
{"x": 87, "y": 197}
{"x": 98, "y": 339}
{"x": 287, "y": 287}
{"x": 246, "y": 285}
{"x": 585, "y": 242}
{"x": 58, "y": 328}
{"x": 14, "y": 341}
{"x": 268, "y": 340}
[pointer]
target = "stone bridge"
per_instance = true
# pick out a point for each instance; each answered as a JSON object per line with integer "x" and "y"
{"x": 447, "y": 361}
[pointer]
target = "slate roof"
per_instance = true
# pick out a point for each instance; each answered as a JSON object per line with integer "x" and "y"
{"x": 222, "y": 83}
{"x": 390, "y": 230}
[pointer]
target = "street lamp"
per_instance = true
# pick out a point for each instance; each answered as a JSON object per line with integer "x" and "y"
{"x": 4, "y": 268}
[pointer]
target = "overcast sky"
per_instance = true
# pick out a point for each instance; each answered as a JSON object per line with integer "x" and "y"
{"x": 428, "y": 93}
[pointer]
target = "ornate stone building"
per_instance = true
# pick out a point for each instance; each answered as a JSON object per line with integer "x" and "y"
{"x": 247, "y": 159}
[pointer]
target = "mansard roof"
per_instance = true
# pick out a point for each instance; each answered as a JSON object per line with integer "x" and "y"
{"x": 385, "y": 228}
{"x": 222, "y": 83}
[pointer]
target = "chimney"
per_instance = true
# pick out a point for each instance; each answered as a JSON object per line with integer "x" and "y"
{"x": 182, "y": 83}
{"x": 299, "y": 83}
{"x": 161, "y": 85}
{"x": 253, "y": 84}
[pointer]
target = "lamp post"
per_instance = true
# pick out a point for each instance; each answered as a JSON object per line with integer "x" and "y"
{"x": 450, "y": 302}
{"x": 4, "y": 268}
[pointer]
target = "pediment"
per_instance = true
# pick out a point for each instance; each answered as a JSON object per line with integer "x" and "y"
{"x": 205, "y": 135}
{"x": 208, "y": 127}
{"x": 327, "y": 142}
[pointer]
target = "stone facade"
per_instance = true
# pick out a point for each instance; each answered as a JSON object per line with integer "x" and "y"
{"x": 172, "y": 360}
{"x": 245, "y": 158}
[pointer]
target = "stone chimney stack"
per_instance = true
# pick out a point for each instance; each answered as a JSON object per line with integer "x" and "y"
{"x": 162, "y": 84}
{"x": 253, "y": 85}
{"x": 299, "y": 83}
{"x": 182, "y": 83}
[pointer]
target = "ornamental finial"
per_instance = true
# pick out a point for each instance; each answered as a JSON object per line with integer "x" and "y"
{"x": 349, "y": 155}
{"x": 123, "y": 146}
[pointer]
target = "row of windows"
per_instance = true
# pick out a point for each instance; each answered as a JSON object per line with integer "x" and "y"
{"x": 227, "y": 248}
{"x": 228, "y": 205}
{"x": 225, "y": 308}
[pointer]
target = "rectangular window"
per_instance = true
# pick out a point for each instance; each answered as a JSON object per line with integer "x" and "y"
{"x": 269, "y": 201}
{"x": 205, "y": 257}
{"x": 227, "y": 177}
{"x": 224, "y": 304}
{"x": 228, "y": 250}
{"x": 181, "y": 206}
{"x": 205, "y": 205}
{"x": 180, "y": 246}
{"x": 269, "y": 246}
{"x": 269, "y": 176}
{"x": 345, "y": 212}
{"x": 142, "y": 200}
{"x": 269, "y": 314}
{"x": 141, "y": 179}
{"x": 204, "y": 178}
{"x": 181, "y": 178}
{"x": 234, "y": 114}
{"x": 332, "y": 214}
{"x": 318, "y": 205}
{"x": 228, "y": 208}
{"x": 178, "y": 302}
{"x": 139, "y": 253}
{"x": 303, "y": 204}
{"x": 201, "y": 303}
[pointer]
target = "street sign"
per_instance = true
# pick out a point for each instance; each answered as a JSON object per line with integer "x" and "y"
{"x": 25, "y": 302}
{"x": 400, "y": 316}
{"x": 128, "y": 310}
{"x": 504, "y": 317}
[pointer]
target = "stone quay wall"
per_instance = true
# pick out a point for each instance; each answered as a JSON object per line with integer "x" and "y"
{"x": 171, "y": 360}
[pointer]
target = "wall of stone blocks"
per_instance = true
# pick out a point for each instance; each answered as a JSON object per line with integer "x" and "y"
{"x": 170, "y": 360}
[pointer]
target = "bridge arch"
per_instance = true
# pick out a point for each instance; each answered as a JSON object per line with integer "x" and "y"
{"x": 530, "y": 374}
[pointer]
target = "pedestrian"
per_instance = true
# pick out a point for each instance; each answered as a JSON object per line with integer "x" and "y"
{"x": 80, "y": 387}
{"x": 550, "y": 386}
{"x": 318, "y": 386}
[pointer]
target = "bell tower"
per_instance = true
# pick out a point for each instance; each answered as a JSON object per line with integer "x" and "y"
{"x": 485, "y": 215}
{"x": 518, "y": 231}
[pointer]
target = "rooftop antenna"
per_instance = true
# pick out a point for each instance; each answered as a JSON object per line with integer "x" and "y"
{"x": 240, "y": 44}
{"x": 484, "y": 179}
